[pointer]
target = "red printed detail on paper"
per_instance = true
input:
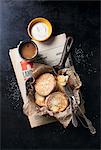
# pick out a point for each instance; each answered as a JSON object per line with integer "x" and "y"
{"x": 26, "y": 69}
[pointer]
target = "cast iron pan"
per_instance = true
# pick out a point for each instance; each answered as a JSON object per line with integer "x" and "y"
{"x": 61, "y": 64}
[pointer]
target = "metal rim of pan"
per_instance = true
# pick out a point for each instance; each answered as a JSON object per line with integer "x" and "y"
{"x": 21, "y": 46}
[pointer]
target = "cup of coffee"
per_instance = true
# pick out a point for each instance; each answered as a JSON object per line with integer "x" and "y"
{"x": 28, "y": 50}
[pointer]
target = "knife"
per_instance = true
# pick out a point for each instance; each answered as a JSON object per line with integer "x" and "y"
{"x": 89, "y": 123}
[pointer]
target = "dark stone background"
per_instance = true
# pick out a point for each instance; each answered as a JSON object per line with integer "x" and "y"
{"x": 82, "y": 21}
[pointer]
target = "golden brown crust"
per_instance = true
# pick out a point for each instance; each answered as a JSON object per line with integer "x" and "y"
{"x": 39, "y": 100}
{"x": 56, "y": 102}
{"x": 45, "y": 84}
{"x": 62, "y": 80}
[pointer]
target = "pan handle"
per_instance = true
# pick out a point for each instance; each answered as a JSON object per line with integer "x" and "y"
{"x": 66, "y": 51}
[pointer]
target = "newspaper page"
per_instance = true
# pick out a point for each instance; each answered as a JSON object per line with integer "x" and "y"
{"x": 50, "y": 51}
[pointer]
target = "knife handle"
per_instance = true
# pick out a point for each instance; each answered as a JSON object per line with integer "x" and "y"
{"x": 66, "y": 51}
